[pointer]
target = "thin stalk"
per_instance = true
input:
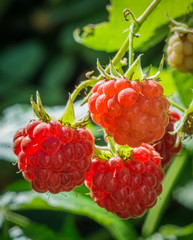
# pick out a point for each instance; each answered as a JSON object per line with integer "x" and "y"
{"x": 131, "y": 51}
{"x": 155, "y": 214}
{"x": 17, "y": 219}
{"x": 147, "y": 12}
{"x": 81, "y": 86}
{"x": 120, "y": 54}
{"x": 111, "y": 144}
{"x": 136, "y": 24}
{"x": 176, "y": 106}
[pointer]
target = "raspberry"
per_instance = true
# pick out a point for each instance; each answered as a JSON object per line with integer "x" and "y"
{"x": 128, "y": 187}
{"x": 180, "y": 51}
{"x": 166, "y": 146}
{"x": 53, "y": 157}
{"x": 131, "y": 112}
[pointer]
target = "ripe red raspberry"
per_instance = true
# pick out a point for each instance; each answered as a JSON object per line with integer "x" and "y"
{"x": 53, "y": 157}
{"x": 131, "y": 112}
{"x": 128, "y": 187}
{"x": 165, "y": 146}
{"x": 180, "y": 51}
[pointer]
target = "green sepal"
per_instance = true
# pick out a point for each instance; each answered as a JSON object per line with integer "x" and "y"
{"x": 102, "y": 152}
{"x": 181, "y": 29}
{"x": 113, "y": 71}
{"x": 85, "y": 99}
{"x": 39, "y": 110}
{"x": 124, "y": 151}
{"x": 88, "y": 83}
{"x": 83, "y": 121}
{"x": 135, "y": 71}
{"x": 147, "y": 73}
{"x": 179, "y": 26}
{"x": 184, "y": 127}
{"x": 68, "y": 118}
{"x": 102, "y": 71}
{"x": 159, "y": 69}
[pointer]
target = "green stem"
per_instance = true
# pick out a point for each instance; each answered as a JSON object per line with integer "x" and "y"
{"x": 131, "y": 51}
{"x": 111, "y": 144}
{"x": 135, "y": 26}
{"x": 120, "y": 54}
{"x": 154, "y": 215}
{"x": 176, "y": 105}
{"x": 147, "y": 12}
{"x": 17, "y": 219}
{"x": 82, "y": 85}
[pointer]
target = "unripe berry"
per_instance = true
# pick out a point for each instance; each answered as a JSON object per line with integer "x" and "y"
{"x": 180, "y": 51}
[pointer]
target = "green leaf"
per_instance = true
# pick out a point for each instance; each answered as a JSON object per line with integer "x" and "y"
{"x": 166, "y": 80}
{"x": 18, "y": 186}
{"x": 135, "y": 71}
{"x": 72, "y": 202}
{"x": 110, "y": 34}
{"x": 184, "y": 84}
{"x": 177, "y": 231}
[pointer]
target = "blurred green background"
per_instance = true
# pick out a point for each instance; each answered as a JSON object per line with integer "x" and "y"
{"x": 38, "y": 52}
{"x": 37, "y": 49}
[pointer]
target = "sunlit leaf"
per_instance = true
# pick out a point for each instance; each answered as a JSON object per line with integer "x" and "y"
{"x": 184, "y": 84}
{"x": 110, "y": 34}
{"x": 166, "y": 80}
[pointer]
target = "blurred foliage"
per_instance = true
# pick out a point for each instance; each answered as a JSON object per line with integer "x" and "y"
{"x": 38, "y": 51}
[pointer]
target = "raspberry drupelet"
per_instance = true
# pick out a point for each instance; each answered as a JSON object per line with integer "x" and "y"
{"x": 131, "y": 112}
{"x": 166, "y": 146}
{"x": 53, "y": 157}
{"x": 127, "y": 187}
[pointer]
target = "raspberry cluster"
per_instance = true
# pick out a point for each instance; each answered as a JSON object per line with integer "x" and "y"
{"x": 166, "y": 146}
{"x": 180, "y": 51}
{"x": 131, "y": 112}
{"x": 127, "y": 187}
{"x": 53, "y": 157}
